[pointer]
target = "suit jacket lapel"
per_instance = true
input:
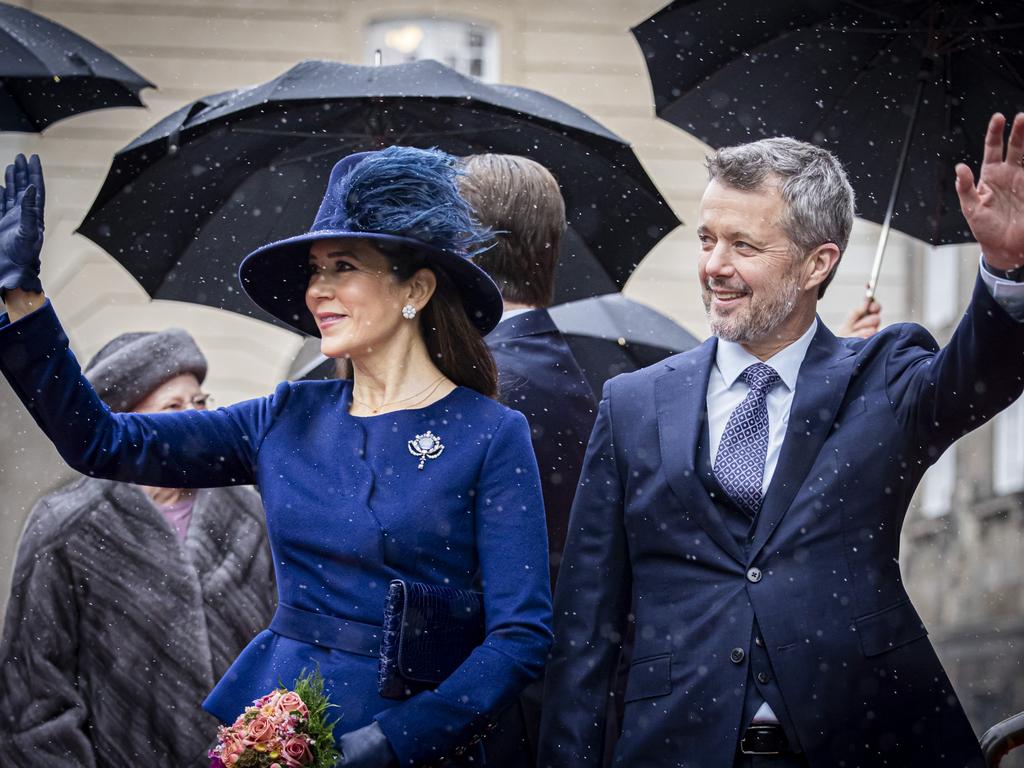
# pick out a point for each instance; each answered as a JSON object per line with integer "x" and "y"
{"x": 681, "y": 401}
{"x": 821, "y": 386}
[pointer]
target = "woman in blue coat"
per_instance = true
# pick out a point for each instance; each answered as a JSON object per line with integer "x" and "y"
{"x": 410, "y": 470}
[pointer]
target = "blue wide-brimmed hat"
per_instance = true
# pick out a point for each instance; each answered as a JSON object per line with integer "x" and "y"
{"x": 399, "y": 196}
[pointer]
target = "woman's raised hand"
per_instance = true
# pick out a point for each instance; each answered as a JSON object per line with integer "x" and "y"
{"x": 21, "y": 225}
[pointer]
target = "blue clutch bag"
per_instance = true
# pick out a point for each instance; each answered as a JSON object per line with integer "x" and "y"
{"x": 429, "y": 630}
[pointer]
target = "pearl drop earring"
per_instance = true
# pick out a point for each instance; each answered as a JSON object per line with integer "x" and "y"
{"x": 408, "y": 311}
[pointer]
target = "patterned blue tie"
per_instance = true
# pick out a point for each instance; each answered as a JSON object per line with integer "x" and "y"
{"x": 739, "y": 465}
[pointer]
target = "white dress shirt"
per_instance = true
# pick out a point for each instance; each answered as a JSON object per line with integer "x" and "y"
{"x": 726, "y": 390}
{"x": 1007, "y": 293}
{"x": 509, "y": 313}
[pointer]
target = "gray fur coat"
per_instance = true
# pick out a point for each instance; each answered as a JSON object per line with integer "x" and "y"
{"x": 116, "y": 630}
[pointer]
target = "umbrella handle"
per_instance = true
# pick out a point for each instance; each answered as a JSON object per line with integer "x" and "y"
{"x": 876, "y": 267}
{"x": 883, "y": 238}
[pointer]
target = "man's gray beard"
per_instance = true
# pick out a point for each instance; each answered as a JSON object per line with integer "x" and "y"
{"x": 764, "y": 318}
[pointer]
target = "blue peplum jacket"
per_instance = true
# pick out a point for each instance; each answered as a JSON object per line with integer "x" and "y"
{"x": 348, "y": 509}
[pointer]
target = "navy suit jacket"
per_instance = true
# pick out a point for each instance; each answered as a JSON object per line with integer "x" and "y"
{"x": 539, "y": 377}
{"x": 848, "y": 651}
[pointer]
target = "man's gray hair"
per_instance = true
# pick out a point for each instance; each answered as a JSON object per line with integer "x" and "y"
{"x": 818, "y": 196}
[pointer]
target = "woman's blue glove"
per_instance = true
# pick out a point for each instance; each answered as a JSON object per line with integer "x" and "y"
{"x": 366, "y": 747}
{"x": 21, "y": 225}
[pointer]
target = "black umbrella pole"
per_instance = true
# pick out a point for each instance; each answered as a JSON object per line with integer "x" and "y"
{"x": 883, "y": 238}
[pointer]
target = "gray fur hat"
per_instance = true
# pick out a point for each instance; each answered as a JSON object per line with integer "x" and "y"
{"x": 131, "y": 366}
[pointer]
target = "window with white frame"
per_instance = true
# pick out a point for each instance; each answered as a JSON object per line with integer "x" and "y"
{"x": 941, "y": 289}
{"x": 939, "y": 484}
{"x": 1008, "y": 469}
{"x": 465, "y": 46}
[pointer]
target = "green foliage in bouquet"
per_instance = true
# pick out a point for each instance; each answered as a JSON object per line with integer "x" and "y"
{"x": 320, "y": 730}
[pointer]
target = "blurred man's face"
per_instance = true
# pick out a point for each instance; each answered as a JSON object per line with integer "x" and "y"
{"x": 750, "y": 278}
{"x": 178, "y": 394}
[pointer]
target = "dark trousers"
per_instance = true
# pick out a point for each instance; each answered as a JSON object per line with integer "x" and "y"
{"x": 514, "y": 742}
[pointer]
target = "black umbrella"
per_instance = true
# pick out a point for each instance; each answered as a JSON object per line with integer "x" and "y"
{"x": 184, "y": 202}
{"x": 611, "y": 334}
{"x": 900, "y": 91}
{"x": 47, "y": 73}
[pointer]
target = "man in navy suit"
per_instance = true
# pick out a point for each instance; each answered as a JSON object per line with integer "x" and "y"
{"x": 743, "y": 500}
{"x": 537, "y": 374}
{"x": 520, "y": 200}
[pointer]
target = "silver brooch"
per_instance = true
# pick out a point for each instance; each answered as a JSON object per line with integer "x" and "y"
{"x": 426, "y": 446}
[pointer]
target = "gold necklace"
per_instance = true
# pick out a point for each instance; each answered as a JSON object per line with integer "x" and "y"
{"x": 377, "y": 409}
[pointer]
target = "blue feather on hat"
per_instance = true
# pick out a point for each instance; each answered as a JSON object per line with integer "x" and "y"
{"x": 411, "y": 193}
{"x": 402, "y": 195}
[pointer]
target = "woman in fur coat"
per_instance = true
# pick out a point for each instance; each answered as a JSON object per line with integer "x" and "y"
{"x": 128, "y": 602}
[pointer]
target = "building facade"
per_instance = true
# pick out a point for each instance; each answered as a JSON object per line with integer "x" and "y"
{"x": 964, "y": 536}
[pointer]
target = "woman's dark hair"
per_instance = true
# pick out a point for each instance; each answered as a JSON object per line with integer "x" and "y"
{"x": 454, "y": 343}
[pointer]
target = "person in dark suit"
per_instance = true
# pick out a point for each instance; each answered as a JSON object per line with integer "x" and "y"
{"x": 520, "y": 201}
{"x": 744, "y": 499}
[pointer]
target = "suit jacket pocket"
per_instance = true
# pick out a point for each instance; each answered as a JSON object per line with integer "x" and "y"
{"x": 889, "y": 628}
{"x": 649, "y": 677}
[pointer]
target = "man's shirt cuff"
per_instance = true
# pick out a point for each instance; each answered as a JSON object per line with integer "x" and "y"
{"x": 1007, "y": 293}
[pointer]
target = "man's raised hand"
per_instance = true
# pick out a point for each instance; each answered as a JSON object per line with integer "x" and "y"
{"x": 994, "y": 207}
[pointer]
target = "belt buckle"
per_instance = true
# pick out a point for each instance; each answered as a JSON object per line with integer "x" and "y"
{"x": 756, "y": 729}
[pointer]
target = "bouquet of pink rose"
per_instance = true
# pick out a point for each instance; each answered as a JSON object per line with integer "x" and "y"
{"x": 284, "y": 729}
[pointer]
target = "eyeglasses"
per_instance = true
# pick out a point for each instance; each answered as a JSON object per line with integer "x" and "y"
{"x": 200, "y": 402}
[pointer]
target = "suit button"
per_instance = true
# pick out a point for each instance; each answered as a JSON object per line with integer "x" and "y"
{"x": 754, "y": 575}
{"x": 763, "y": 678}
{"x": 759, "y": 641}
{"x": 737, "y": 655}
